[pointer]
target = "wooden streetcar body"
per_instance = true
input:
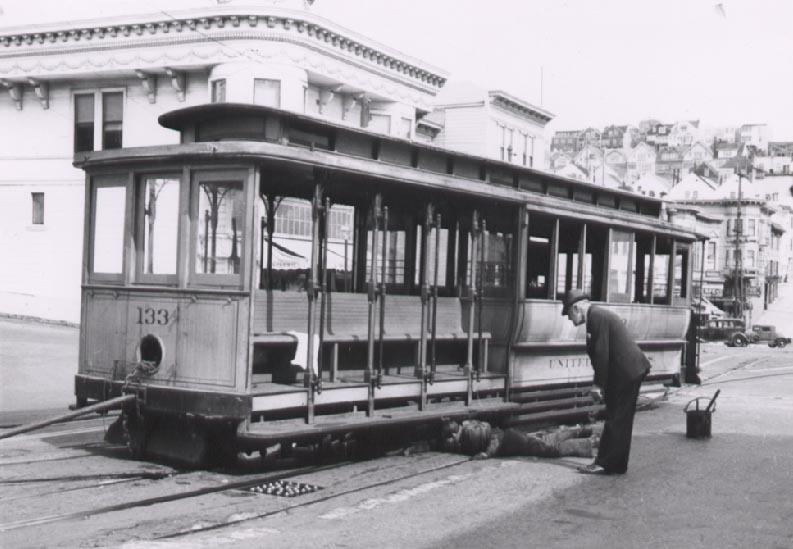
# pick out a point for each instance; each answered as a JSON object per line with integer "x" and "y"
{"x": 446, "y": 304}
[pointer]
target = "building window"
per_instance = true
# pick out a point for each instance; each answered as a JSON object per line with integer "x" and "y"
{"x": 380, "y": 123}
{"x": 219, "y": 90}
{"x": 84, "y": 122}
{"x": 407, "y": 125}
{"x": 267, "y": 92}
{"x": 107, "y": 106}
{"x": 112, "y": 119}
{"x": 37, "y": 201}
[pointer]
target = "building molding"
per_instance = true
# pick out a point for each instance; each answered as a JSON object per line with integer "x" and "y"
{"x": 206, "y": 28}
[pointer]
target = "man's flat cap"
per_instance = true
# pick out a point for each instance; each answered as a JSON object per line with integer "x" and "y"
{"x": 573, "y": 296}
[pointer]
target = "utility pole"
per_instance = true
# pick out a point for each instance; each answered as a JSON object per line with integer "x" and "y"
{"x": 738, "y": 291}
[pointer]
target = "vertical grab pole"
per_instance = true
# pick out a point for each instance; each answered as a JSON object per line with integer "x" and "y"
{"x": 435, "y": 298}
{"x": 323, "y": 292}
{"x": 480, "y": 293}
{"x": 383, "y": 274}
{"x": 421, "y": 369}
{"x": 472, "y": 308}
{"x": 372, "y": 293}
{"x": 308, "y": 376}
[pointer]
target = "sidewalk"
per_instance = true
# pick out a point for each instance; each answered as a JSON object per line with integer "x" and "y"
{"x": 780, "y": 312}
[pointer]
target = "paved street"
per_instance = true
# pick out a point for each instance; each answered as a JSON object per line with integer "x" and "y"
{"x": 731, "y": 491}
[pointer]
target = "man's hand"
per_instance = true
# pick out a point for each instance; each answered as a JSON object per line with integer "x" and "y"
{"x": 596, "y": 394}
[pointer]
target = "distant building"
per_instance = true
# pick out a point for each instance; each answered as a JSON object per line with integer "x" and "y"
{"x": 684, "y": 134}
{"x": 492, "y": 123}
{"x": 757, "y": 135}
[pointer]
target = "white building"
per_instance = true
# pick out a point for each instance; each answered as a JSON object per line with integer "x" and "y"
{"x": 97, "y": 84}
{"x": 492, "y": 123}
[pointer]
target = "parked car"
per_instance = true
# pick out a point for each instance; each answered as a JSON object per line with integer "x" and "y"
{"x": 768, "y": 333}
{"x": 721, "y": 329}
{"x": 758, "y": 334}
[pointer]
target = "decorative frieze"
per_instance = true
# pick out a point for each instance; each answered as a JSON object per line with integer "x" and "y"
{"x": 346, "y": 45}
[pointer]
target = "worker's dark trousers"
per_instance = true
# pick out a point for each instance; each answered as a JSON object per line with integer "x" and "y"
{"x": 615, "y": 442}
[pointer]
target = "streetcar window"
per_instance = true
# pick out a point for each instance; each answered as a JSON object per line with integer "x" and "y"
{"x": 290, "y": 246}
{"x": 663, "y": 253}
{"x": 568, "y": 258}
{"x": 107, "y": 234}
{"x": 220, "y": 225}
{"x": 620, "y": 269}
{"x": 341, "y": 244}
{"x": 594, "y": 260}
{"x": 538, "y": 264}
{"x": 442, "y": 255}
{"x": 158, "y": 224}
{"x": 498, "y": 261}
{"x": 682, "y": 253}
{"x": 642, "y": 250}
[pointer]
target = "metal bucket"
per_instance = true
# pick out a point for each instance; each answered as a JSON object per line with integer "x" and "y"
{"x": 698, "y": 420}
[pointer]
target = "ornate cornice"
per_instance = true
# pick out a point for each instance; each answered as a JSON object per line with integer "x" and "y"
{"x": 211, "y": 28}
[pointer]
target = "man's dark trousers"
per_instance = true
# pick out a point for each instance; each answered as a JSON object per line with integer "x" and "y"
{"x": 615, "y": 442}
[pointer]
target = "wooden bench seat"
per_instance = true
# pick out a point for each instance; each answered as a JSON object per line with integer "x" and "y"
{"x": 347, "y": 321}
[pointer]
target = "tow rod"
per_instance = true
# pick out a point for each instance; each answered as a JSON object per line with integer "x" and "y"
{"x": 104, "y": 406}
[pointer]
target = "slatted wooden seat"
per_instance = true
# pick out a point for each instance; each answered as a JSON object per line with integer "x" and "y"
{"x": 347, "y": 320}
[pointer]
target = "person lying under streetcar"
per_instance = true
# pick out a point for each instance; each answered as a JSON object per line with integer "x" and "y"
{"x": 480, "y": 441}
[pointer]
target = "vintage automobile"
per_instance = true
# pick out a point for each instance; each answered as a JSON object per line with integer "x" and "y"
{"x": 759, "y": 333}
{"x": 721, "y": 329}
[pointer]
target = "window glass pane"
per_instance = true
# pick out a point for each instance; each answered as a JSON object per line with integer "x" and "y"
{"x": 112, "y": 106}
{"x": 267, "y": 92}
{"x": 442, "y": 255}
{"x": 619, "y": 264}
{"x": 220, "y": 226}
{"x": 663, "y": 254}
{"x": 112, "y": 114}
{"x": 539, "y": 256}
{"x": 37, "y": 201}
{"x": 291, "y": 244}
{"x": 380, "y": 123}
{"x": 160, "y": 225}
{"x": 84, "y": 108}
{"x": 108, "y": 230}
{"x": 642, "y": 250}
{"x": 594, "y": 265}
{"x": 219, "y": 91}
{"x": 83, "y": 122}
{"x": 681, "y": 271}
{"x": 567, "y": 259}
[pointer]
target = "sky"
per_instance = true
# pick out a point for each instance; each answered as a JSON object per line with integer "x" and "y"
{"x": 590, "y": 62}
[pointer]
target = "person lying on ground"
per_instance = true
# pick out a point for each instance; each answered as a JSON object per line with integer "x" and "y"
{"x": 480, "y": 440}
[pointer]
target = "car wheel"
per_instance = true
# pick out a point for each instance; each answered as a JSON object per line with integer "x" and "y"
{"x": 781, "y": 343}
{"x": 739, "y": 340}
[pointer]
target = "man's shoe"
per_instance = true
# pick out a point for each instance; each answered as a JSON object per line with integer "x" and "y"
{"x": 592, "y": 469}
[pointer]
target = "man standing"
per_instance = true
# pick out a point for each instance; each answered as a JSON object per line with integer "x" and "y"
{"x": 620, "y": 366}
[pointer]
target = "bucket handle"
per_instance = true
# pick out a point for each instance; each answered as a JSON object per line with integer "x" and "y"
{"x": 700, "y": 409}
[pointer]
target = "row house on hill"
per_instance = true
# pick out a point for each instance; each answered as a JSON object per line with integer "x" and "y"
{"x": 778, "y": 159}
{"x": 101, "y": 84}
{"x": 761, "y": 239}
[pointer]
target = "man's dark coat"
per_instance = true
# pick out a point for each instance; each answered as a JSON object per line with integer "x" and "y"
{"x": 620, "y": 366}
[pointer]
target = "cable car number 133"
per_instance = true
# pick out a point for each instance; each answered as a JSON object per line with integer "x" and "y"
{"x": 150, "y": 315}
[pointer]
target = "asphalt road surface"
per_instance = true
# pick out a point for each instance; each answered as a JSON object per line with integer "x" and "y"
{"x": 65, "y": 487}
